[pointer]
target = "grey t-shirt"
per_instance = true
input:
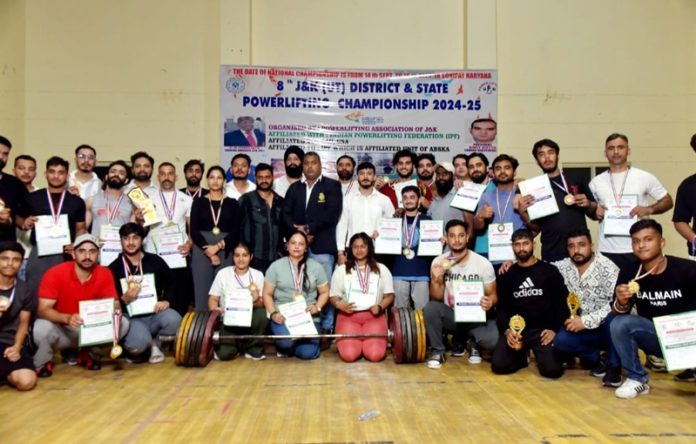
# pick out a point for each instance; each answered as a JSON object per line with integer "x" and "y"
{"x": 280, "y": 275}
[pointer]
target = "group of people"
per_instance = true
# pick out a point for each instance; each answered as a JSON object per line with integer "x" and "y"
{"x": 299, "y": 253}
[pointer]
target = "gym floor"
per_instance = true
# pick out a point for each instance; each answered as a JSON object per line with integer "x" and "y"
{"x": 321, "y": 401}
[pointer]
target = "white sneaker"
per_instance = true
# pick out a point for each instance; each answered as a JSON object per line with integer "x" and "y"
{"x": 436, "y": 361}
{"x": 156, "y": 355}
{"x": 474, "y": 356}
{"x": 281, "y": 355}
{"x": 632, "y": 388}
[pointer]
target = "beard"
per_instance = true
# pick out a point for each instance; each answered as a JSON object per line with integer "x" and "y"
{"x": 444, "y": 186}
{"x": 425, "y": 177}
{"x": 142, "y": 177}
{"x": 114, "y": 183}
{"x": 505, "y": 182}
{"x": 193, "y": 181}
{"x": 264, "y": 186}
{"x": 344, "y": 174}
{"x": 551, "y": 169}
{"x": 293, "y": 171}
{"x": 478, "y": 177}
{"x": 524, "y": 255}
{"x": 583, "y": 261}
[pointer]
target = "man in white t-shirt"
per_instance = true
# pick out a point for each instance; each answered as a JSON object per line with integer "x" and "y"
{"x": 446, "y": 271}
{"x": 623, "y": 183}
{"x": 240, "y": 184}
{"x": 83, "y": 181}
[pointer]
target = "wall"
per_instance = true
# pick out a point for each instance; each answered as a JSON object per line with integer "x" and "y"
{"x": 12, "y": 24}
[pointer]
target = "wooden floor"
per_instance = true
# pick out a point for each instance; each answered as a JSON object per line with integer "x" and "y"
{"x": 286, "y": 400}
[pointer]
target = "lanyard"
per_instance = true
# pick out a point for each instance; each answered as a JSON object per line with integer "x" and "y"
{"x": 363, "y": 278}
{"x": 239, "y": 279}
{"x": 213, "y": 213}
{"x": 617, "y": 199}
{"x": 110, "y": 214}
{"x": 297, "y": 276}
{"x": 497, "y": 204}
{"x": 410, "y": 233}
{"x": 169, "y": 209}
{"x": 54, "y": 213}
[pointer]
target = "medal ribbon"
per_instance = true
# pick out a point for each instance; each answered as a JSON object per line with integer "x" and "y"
{"x": 565, "y": 186}
{"x": 215, "y": 215}
{"x": 12, "y": 296}
{"x": 363, "y": 278}
{"x": 55, "y": 214}
{"x": 109, "y": 212}
{"x": 138, "y": 268}
{"x": 640, "y": 268}
{"x": 297, "y": 277}
{"x": 239, "y": 279}
{"x": 617, "y": 200}
{"x": 169, "y": 213}
{"x": 117, "y": 325}
{"x": 501, "y": 216}
{"x": 196, "y": 194}
{"x": 350, "y": 185}
{"x": 410, "y": 233}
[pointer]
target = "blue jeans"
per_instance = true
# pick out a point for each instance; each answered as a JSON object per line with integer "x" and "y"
{"x": 587, "y": 344}
{"x": 303, "y": 349}
{"x": 630, "y": 333}
{"x": 144, "y": 329}
{"x": 328, "y": 312}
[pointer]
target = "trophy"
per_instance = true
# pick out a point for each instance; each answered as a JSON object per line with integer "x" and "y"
{"x": 573, "y": 301}
{"x": 517, "y": 324}
{"x": 143, "y": 202}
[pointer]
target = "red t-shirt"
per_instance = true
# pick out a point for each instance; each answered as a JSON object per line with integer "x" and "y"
{"x": 61, "y": 284}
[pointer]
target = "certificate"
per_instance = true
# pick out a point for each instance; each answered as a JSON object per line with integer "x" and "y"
{"x": 143, "y": 202}
{"x": 238, "y": 307}
{"x": 677, "y": 336}
{"x": 544, "y": 200}
{"x": 111, "y": 244}
{"x": 167, "y": 242}
{"x": 400, "y": 186}
{"x": 97, "y": 322}
{"x": 468, "y": 196}
{"x": 51, "y": 236}
{"x": 389, "y": 239}
{"x": 362, "y": 300}
{"x": 467, "y": 301}
{"x": 500, "y": 242}
{"x": 297, "y": 319}
{"x": 429, "y": 243}
{"x": 147, "y": 296}
{"x": 617, "y": 217}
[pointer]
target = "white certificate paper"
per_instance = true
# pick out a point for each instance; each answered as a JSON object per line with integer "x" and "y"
{"x": 297, "y": 319}
{"x": 500, "y": 242}
{"x": 467, "y": 301}
{"x": 147, "y": 296}
{"x": 238, "y": 307}
{"x": 468, "y": 196}
{"x": 544, "y": 199}
{"x": 97, "y": 322}
{"x": 111, "y": 244}
{"x": 389, "y": 239}
{"x": 677, "y": 336}
{"x": 51, "y": 236}
{"x": 362, "y": 301}
{"x": 617, "y": 219}
{"x": 167, "y": 242}
{"x": 400, "y": 186}
{"x": 430, "y": 235}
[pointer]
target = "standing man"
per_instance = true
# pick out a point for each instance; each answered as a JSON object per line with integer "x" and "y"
{"x": 666, "y": 286}
{"x": 459, "y": 264}
{"x": 17, "y": 303}
{"x": 314, "y": 205}
{"x": 292, "y": 160}
{"x": 108, "y": 207}
{"x": 57, "y": 215}
{"x": 619, "y": 181}
{"x": 246, "y": 135}
{"x": 404, "y": 162}
{"x": 142, "y": 165}
{"x": 440, "y": 208}
{"x": 573, "y": 197}
{"x": 425, "y": 170}
{"x": 135, "y": 274}
{"x": 240, "y": 165}
{"x": 25, "y": 171}
{"x": 261, "y": 225}
{"x": 193, "y": 172}
{"x": 83, "y": 180}
{"x": 61, "y": 290}
{"x": 535, "y": 290}
{"x": 345, "y": 167}
{"x": 592, "y": 277}
{"x": 477, "y": 165}
{"x": 685, "y": 210}
{"x": 362, "y": 210}
{"x": 12, "y": 193}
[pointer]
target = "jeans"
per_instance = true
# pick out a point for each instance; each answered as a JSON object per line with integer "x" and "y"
{"x": 328, "y": 312}
{"x": 439, "y": 319}
{"x": 630, "y": 333}
{"x": 303, "y": 349}
{"x": 144, "y": 329}
{"x": 587, "y": 344}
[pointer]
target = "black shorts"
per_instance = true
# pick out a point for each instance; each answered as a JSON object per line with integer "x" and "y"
{"x": 7, "y": 367}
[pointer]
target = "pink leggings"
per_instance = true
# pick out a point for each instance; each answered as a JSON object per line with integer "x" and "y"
{"x": 350, "y": 349}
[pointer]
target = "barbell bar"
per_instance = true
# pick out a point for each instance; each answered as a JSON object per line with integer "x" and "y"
{"x": 199, "y": 332}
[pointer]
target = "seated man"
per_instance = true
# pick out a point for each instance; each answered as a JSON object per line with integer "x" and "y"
{"x": 16, "y": 305}
{"x": 592, "y": 277}
{"x": 145, "y": 285}
{"x": 447, "y": 270}
{"x": 534, "y": 290}
{"x": 666, "y": 286}
{"x": 60, "y": 292}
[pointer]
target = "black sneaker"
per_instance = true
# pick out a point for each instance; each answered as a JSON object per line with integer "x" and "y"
{"x": 612, "y": 377}
{"x": 599, "y": 369}
{"x": 656, "y": 364}
{"x": 458, "y": 350}
{"x": 45, "y": 370}
{"x": 436, "y": 360}
{"x": 687, "y": 375}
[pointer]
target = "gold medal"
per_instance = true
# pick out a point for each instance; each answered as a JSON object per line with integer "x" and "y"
{"x": 618, "y": 212}
{"x": 4, "y": 303}
{"x": 447, "y": 264}
{"x": 297, "y": 296}
{"x": 253, "y": 287}
{"x": 56, "y": 231}
{"x": 569, "y": 199}
{"x": 406, "y": 251}
{"x": 133, "y": 285}
{"x": 501, "y": 227}
{"x": 216, "y": 231}
{"x": 116, "y": 351}
{"x": 633, "y": 286}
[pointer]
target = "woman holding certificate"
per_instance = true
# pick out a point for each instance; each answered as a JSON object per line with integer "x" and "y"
{"x": 361, "y": 291}
{"x": 236, "y": 294}
{"x": 215, "y": 221}
{"x": 294, "y": 292}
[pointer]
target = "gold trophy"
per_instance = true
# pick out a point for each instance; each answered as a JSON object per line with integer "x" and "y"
{"x": 573, "y": 302}
{"x": 143, "y": 202}
{"x": 517, "y": 324}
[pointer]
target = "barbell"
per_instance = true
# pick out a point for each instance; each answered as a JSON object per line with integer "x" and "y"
{"x": 199, "y": 332}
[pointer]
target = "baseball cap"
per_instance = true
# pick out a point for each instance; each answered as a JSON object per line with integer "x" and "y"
{"x": 85, "y": 237}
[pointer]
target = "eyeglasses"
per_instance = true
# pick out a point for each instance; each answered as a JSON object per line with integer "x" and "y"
{"x": 86, "y": 156}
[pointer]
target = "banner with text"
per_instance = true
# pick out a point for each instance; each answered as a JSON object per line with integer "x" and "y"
{"x": 369, "y": 114}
